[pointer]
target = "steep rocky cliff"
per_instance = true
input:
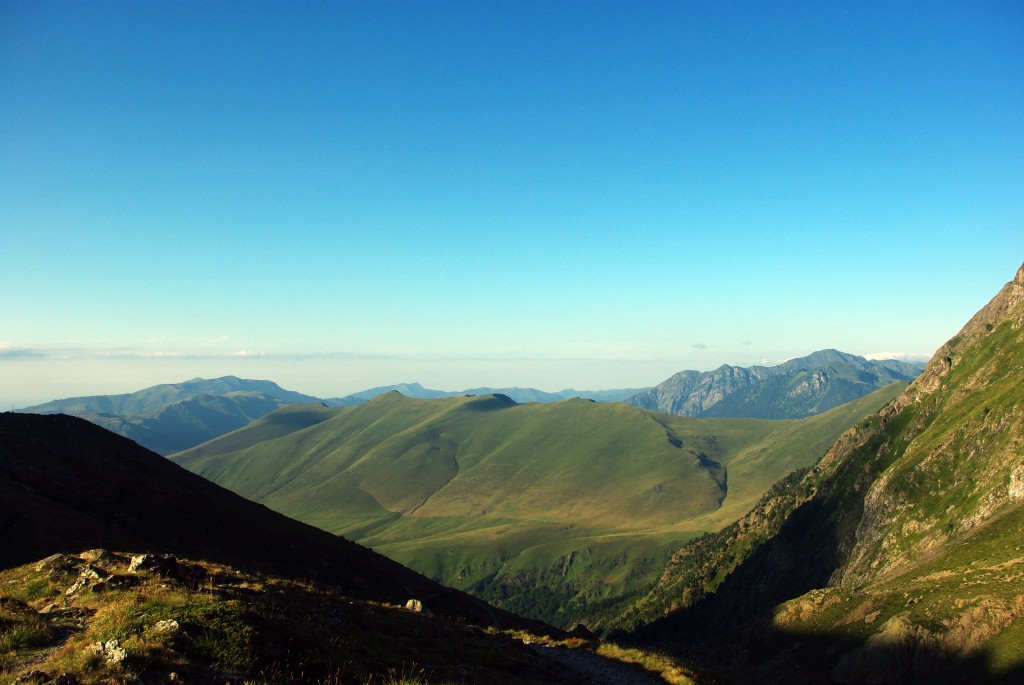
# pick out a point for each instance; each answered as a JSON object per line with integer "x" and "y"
{"x": 899, "y": 556}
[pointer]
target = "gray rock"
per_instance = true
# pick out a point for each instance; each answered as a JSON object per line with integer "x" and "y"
{"x": 89, "y": 577}
{"x": 111, "y": 651}
{"x": 163, "y": 565}
{"x": 166, "y": 626}
{"x": 98, "y": 556}
{"x": 57, "y": 564}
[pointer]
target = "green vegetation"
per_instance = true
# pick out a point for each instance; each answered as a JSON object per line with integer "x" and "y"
{"x": 907, "y": 538}
{"x": 550, "y": 510}
{"x": 213, "y": 623}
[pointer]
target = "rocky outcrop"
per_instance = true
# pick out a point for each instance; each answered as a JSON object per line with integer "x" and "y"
{"x": 794, "y": 389}
{"x": 163, "y": 565}
{"x": 907, "y": 535}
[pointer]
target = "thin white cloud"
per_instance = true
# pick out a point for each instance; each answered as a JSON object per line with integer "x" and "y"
{"x": 8, "y": 351}
{"x": 899, "y": 356}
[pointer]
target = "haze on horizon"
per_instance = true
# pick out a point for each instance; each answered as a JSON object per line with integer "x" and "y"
{"x": 336, "y": 196}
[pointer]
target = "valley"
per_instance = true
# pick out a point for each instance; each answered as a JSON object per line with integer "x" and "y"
{"x": 548, "y": 510}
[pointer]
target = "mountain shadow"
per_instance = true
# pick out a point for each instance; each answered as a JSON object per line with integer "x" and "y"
{"x": 68, "y": 485}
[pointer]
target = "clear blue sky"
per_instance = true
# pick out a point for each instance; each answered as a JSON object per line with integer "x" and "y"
{"x": 552, "y": 194}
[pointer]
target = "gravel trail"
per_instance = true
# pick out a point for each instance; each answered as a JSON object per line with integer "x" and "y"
{"x": 592, "y": 668}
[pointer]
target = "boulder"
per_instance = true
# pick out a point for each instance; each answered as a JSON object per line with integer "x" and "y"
{"x": 163, "y": 565}
{"x": 98, "y": 556}
{"x": 111, "y": 651}
{"x": 166, "y": 626}
{"x": 57, "y": 564}
{"x": 581, "y": 631}
{"x": 417, "y": 606}
{"x": 89, "y": 577}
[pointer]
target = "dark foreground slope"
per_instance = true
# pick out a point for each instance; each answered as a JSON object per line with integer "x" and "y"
{"x": 102, "y": 617}
{"x": 68, "y": 485}
{"x": 898, "y": 558}
{"x": 237, "y": 593}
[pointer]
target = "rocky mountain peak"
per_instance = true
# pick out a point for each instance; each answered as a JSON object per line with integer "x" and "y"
{"x": 1001, "y": 309}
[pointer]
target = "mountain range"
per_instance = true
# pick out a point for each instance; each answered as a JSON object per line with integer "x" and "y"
{"x": 796, "y": 388}
{"x": 174, "y": 417}
{"x": 585, "y": 499}
{"x": 170, "y": 417}
{"x": 520, "y": 395}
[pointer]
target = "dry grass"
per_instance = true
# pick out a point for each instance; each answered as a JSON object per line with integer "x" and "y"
{"x": 228, "y": 626}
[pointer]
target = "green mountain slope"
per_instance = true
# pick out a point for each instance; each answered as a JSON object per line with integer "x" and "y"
{"x": 543, "y": 508}
{"x": 900, "y": 556}
{"x": 220, "y": 589}
{"x": 173, "y": 417}
{"x": 797, "y": 388}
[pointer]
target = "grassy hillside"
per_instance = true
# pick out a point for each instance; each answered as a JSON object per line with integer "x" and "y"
{"x": 899, "y": 557}
{"x": 548, "y": 509}
{"x": 222, "y": 590}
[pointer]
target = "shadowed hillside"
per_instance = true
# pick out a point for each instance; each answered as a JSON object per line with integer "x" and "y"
{"x": 69, "y": 485}
{"x": 900, "y": 556}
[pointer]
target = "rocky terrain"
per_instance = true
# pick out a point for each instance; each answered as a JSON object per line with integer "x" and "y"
{"x": 109, "y": 617}
{"x": 794, "y": 389}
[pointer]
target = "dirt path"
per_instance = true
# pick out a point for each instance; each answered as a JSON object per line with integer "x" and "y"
{"x": 591, "y": 668}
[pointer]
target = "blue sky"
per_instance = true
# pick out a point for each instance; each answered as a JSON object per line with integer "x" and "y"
{"x": 550, "y": 194}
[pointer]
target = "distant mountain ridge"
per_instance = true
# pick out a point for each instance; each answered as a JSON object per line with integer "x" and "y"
{"x": 794, "y": 389}
{"x": 519, "y": 395}
{"x": 172, "y": 417}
